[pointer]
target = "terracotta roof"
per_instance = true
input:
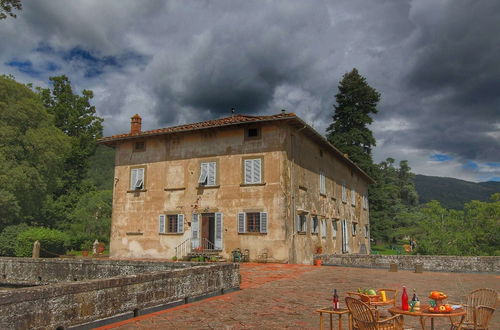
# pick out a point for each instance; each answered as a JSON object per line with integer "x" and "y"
{"x": 227, "y": 121}
{"x": 236, "y": 120}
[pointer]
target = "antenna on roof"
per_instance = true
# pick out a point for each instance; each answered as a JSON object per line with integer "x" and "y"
{"x": 283, "y": 110}
{"x": 232, "y": 111}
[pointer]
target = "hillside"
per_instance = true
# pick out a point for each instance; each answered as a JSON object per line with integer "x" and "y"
{"x": 453, "y": 193}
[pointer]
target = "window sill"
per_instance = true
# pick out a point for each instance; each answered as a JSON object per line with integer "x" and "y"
{"x": 345, "y": 202}
{"x": 252, "y": 184}
{"x": 322, "y": 195}
{"x": 333, "y": 198}
{"x": 315, "y": 234}
{"x": 174, "y": 189}
{"x": 208, "y": 187}
{"x": 353, "y": 204}
{"x": 301, "y": 233}
{"x": 253, "y": 234}
{"x": 169, "y": 234}
{"x": 302, "y": 188}
{"x": 136, "y": 191}
{"x": 134, "y": 233}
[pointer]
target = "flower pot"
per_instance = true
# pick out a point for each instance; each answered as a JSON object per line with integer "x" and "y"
{"x": 318, "y": 262}
{"x": 85, "y": 253}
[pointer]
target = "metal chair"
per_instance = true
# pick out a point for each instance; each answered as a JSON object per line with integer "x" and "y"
{"x": 366, "y": 318}
{"x": 480, "y": 306}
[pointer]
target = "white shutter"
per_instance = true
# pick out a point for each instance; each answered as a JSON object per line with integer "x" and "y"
{"x": 248, "y": 171}
{"x": 180, "y": 223}
{"x": 203, "y": 173}
{"x": 218, "y": 231}
{"x": 195, "y": 240}
{"x": 211, "y": 179}
{"x": 161, "y": 224}
{"x": 345, "y": 237}
{"x": 133, "y": 178}
{"x": 241, "y": 223}
{"x": 334, "y": 228}
{"x": 257, "y": 170}
{"x": 344, "y": 192}
{"x": 263, "y": 222}
{"x": 353, "y": 196}
{"x": 323, "y": 228}
{"x": 322, "y": 181}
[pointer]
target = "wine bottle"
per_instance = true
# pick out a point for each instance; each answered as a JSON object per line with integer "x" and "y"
{"x": 404, "y": 300}
{"x": 335, "y": 300}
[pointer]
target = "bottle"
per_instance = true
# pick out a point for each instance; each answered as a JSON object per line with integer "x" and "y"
{"x": 335, "y": 300}
{"x": 416, "y": 304}
{"x": 404, "y": 300}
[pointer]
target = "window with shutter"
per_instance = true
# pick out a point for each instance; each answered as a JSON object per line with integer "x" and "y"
{"x": 322, "y": 183}
{"x": 180, "y": 223}
{"x": 211, "y": 177}
{"x": 344, "y": 192}
{"x": 161, "y": 224}
{"x": 315, "y": 225}
{"x": 218, "y": 231}
{"x": 323, "y": 228}
{"x": 137, "y": 178}
{"x": 354, "y": 228}
{"x": 241, "y": 222}
{"x": 334, "y": 228}
{"x": 263, "y": 222}
{"x": 252, "y": 171}
{"x": 203, "y": 174}
{"x": 195, "y": 240}
{"x": 301, "y": 223}
{"x": 353, "y": 196}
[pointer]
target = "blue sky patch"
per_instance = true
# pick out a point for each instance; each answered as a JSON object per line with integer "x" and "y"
{"x": 470, "y": 165}
{"x": 494, "y": 178}
{"x": 440, "y": 157}
{"x": 24, "y": 67}
{"x": 493, "y": 164}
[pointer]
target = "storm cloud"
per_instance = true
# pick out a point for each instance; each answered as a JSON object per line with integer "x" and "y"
{"x": 435, "y": 62}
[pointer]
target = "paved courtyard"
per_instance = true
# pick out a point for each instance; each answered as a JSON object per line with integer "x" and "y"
{"x": 275, "y": 296}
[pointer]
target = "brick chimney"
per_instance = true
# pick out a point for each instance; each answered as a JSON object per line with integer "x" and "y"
{"x": 135, "y": 124}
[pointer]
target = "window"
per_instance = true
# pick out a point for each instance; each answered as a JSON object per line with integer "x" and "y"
{"x": 353, "y": 196}
{"x": 301, "y": 223}
{"x": 140, "y": 146}
{"x": 322, "y": 183}
{"x": 334, "y": 229}
{"x": 354, "y": 228}
{"x": 252, "y": 169}
{"x": 366, "y": 231}
{"x": 171, "y": 223}
{"x": 208, "y": 172}
{"x": 365, "y": 202}
{"x": 137, "y": 178}
{"x": 252, "y": 222}
{"x": 252, "y": 133}
{"x": 323, "y": 228}
{"x": 314, "y": 224}
{"x": 344, "y": 192}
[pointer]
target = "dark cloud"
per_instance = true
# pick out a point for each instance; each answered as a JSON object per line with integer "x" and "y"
{"x": 434, "y": 62}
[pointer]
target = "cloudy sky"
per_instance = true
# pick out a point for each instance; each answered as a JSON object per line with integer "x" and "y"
{"x": 435, "y": 62}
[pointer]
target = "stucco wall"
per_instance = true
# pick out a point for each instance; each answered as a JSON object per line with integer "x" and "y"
{"x": 307, "y": 159}
{"x": 68, "y": 304}
{"x": 430, "y": 263}
{"x": 171, "y": 186}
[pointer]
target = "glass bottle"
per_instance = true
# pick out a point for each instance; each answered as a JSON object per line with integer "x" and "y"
{"x": 416, "y": 303}
{"x": 404, "y": 300}
{"x": 335, "y": 300}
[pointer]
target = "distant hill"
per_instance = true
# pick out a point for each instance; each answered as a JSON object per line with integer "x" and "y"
{"x": 453, "y": 193}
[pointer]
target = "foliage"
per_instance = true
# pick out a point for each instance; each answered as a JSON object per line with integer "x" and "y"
{"x": 91, "y": 216}
{"x": 87, "y": 245}
{"x": 472, "y": 231}
{"x": 6, "y": 7}
{"x": 32, "y": 154}
{"x": 356, "y": 102}
{"x": 51, "y": 242}
{"x": 77, "y": 118}
{"x": 453, "y": 193}
{"x": 8, "y": 239}
{"x": 102, "y": 168}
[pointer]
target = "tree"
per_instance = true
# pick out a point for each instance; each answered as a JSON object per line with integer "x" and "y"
{"x": 356, "y": 102}
{"x": 32, "y": 154}
{"x": 77, "y": 118}
{"x": 6, "y": 7}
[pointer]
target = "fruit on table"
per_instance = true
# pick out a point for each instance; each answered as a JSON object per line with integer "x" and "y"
{"x": 431, "y": 309}
{"x": 437, "y": 295}
{"x": 371, "y": 292}
{"x": 442, "y": 308}
{"x": 448, "y": 308}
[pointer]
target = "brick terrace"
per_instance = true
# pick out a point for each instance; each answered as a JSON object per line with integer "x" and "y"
{"x": 286, "y": 296}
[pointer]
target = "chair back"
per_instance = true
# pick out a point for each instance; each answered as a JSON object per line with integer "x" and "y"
{"x": 481, "y": 297}
{"x": 361, "y": 313}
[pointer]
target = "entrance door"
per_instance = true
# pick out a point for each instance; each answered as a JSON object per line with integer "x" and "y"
{"x": 208, "y": 230}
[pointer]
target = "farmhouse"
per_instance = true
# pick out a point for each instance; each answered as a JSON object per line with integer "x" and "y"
{"x": 268, "y": 185}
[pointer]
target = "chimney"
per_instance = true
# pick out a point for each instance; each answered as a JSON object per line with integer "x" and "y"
{"x": 135, "y": 124}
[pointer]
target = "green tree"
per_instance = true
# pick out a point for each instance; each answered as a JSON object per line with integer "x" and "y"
{"x": 32, "y": 154}
{"x": 8, "y": 239}
{"x": 77, "y": 118}
{"x": 6, "y": 7}
{"x": 356, "y": 102}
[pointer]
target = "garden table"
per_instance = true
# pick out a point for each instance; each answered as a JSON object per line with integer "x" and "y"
{"x": 331, "y": 311}
{"x": 423, "y": 314}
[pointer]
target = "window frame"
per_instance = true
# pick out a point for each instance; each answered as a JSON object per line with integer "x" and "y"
{"x": 243, "y": 170}
{"x": 354, "y": 228}
{"x": 144, "y": 172}
{"x": 167, "y": 217}
{"x": 259, "y": 133}
{"x": 314, "y": 225}
{"x": 334, "y": 228}
{"x": 262, "y": 222}
{"x": 215, "y": 173}
{"x": 301, "y": 219}
{"x": 135, "y": 149}
{"x": 353, "y": 196}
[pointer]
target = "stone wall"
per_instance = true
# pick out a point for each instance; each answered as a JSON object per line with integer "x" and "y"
{"x": 408, "y": 262}
{"x": 68, "y": 304}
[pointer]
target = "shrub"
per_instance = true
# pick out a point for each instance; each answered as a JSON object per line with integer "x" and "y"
{"x": 51, "y": 242}
{"x": 8, "y": 239}
{"x": 75, "y": 241}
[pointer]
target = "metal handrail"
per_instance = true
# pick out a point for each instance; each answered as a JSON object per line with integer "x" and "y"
{"x": 183, "y": 249}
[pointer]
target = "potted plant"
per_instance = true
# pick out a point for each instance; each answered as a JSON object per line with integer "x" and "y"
{"x": 174, "y": 258}
{"x": 86, "y": 247}
{"x": 319, "y": 249}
